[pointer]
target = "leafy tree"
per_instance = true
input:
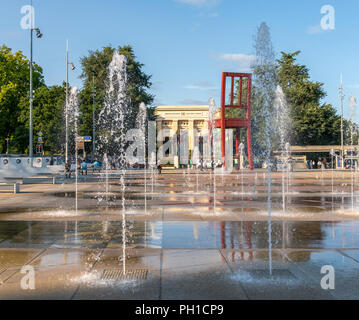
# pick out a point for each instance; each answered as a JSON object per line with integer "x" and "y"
{"x": 313, "y": 123}
{"x": 48, "y": 117}
{"x": 95, "y": 77}
{"x": 14, "y": 86}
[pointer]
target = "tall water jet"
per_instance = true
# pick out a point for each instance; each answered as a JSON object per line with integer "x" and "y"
{"x": 212, "y": 117}
{"x": 282, "y": 124}
{"x": 265, "y": 80}
{"x": 241, "y": 149}
{"x": 141, "y": 121}
{"x": 352, "y": 105}
{"x": 112, "y": 126}
{"x": 73, "y": 116}
{"x": 196, "y": 163}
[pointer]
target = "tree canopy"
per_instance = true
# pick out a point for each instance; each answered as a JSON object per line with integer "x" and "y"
{"x": 14, "y": 86}
{"x": 95, "y": 77}
{"x": 48, "y": 117}
{"x": 49, "y": 102}
{"x": 314, "y": 123}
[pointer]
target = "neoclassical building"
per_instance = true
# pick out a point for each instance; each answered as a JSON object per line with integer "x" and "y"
{"x": 171, "y": 119}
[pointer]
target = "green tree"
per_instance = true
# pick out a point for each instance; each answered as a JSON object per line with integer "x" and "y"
{"x": 313, "y": 123}
{"x": 14, "y": 86}
{"x": 95, "y": 77}
{"x": 48, "y": 117}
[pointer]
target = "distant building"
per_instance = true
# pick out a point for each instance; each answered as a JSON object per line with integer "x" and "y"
{"x": 171, "y": 119}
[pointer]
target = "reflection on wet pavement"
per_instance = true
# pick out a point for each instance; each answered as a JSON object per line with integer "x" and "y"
{"x": 184, "y": 241}
{"x": 180, "y": 234}
{"x": 71, "y": 257}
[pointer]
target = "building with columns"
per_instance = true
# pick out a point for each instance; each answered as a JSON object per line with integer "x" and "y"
{"x": 171, "y": 119}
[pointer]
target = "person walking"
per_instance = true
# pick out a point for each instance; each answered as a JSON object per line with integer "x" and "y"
{"x": 51, "y": 161}
{"x": 67, "y": 169}
{"x": 159, "y": 168}
{"x": 236, "y": 163}
{"x": 319, "y": 164}
{"x": 96, "y": 166}
{"x": 325, "y": 163}
{"x": 84, "y": 167}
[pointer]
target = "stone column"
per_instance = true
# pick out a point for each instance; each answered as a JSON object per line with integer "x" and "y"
{"x": 191, "y": 134}
{"x": 174, "y": 132}
{"x": 159, "y": 138}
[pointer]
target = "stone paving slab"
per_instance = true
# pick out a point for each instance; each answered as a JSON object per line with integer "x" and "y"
{"x": 346, "y": 271}
{"x": 182, "y": 274}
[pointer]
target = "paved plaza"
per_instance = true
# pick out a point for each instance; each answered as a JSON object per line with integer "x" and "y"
{"x": 184, "y": 234}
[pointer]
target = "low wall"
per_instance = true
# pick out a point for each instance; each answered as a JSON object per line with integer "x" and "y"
{"x": 21, "y": 166}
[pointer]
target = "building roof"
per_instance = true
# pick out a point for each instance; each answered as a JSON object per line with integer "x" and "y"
{"x": 183, "y": 108}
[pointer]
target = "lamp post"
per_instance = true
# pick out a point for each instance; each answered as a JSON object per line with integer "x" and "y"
{"x": 67, "y": 101}
{"x": 341, "y": 95}
{"x": 38, "y": 35}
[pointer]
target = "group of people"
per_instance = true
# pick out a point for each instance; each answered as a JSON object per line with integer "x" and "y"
{"x": 190, "y": 164}
{"x": 200, "y": 165}
{"x": 312, "y": 164}
{"x": 82, "y": 167}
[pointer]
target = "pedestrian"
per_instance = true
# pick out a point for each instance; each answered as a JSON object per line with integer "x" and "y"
{"x": 319, "y": 164}
{"x": 201, "y": 163}
{"x": 113, "y": 165}
{"x": 51, "y": 161}
{"x": 325, "y": 163}
{"x": 159, "y": 168}
{"x": 84, "y": 167}
{"x": 97, "y": 165}
{"x": 67, "y": 169}
{"x": 291, "y": 164}
{"x": 308, "y": 164}
{"x": 274, "y": 166}
{"x": 236, "y": 163}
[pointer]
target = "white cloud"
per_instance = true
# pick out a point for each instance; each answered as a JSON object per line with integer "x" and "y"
{"x": 243, "y": 61}
{"x": 200, "y": 3}
{"x": 315, "y": 29}
{"x": 201, "y": 85}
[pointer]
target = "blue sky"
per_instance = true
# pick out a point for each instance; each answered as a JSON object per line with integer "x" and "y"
{"x": 186, "y": 44}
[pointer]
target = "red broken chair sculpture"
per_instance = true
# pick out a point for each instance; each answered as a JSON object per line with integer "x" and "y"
{"x": 241, "y": 100}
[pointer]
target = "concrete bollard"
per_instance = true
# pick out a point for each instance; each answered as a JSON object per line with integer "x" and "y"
{"x": 16, "y": 188}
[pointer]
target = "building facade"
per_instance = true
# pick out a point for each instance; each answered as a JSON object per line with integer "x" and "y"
{"x": 170, "y": 120}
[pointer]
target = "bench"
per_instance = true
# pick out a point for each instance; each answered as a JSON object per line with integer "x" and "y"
{"x": 39, "y": 180}
{"x": 93, "y": 170}
{"x": 14, "y": 179}
{"x": 15, "y": 187}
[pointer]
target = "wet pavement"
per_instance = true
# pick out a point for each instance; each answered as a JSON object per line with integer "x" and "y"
{"x": 182, "y": 239}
